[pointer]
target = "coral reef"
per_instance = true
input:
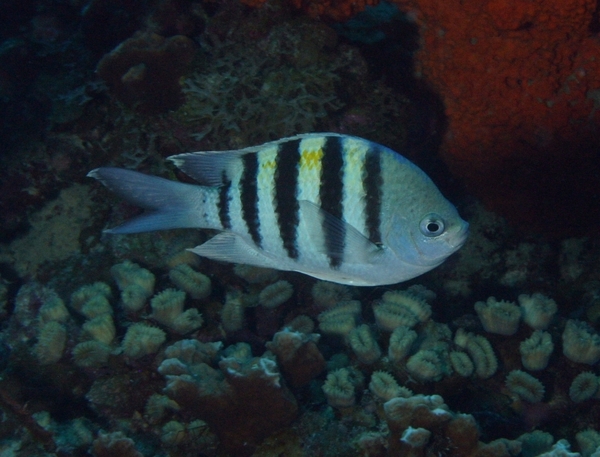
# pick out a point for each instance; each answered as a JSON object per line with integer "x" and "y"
{"x": 538, "y": 310}
{"x": 244, "y": 400}
{"x": 480, "y": 350}
{"x": 583, "y": 387}
{"x": 51, "y": 343}
{"x": 167, "y": 309}
{"x": 400, "y": 343}
{"x": 580, "y": 342}
{"x": 215, "y": 396}
{"x": 297, "y": 355}
{"x": 525, "y": 386}
{"x": 130, "y": 345}
{"x": 363, "y": 344}
{"x": 340, "y": 319}
{"x": 58, "y": 238}
{"x": 413, "y": 420}
{"x": 196, "y": 284}
{"x": 384, "y": 386}
{"x": 339, "y": 389}
{"x": 536, "y": 350}
{"x": 135, "y": 283}
{"x": 398, "y": 308}
{"x": 141, "y": 340}
{"x": 144, "y": 71}
{"x": 500, "y": 317}
{"x": 275, "y": 294}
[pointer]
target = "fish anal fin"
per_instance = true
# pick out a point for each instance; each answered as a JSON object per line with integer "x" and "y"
{"x": 229, "y": 247}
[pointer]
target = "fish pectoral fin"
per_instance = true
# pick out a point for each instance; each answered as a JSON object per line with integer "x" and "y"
{"x": 334, "y": 237}
{"x": 229, "y": 247}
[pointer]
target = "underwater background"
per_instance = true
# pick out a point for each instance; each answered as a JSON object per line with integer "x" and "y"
{"x": 129, "y": 345}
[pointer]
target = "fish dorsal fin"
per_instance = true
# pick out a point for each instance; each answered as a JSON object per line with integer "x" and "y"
{"x": 334, "y": 237}
{"x": 229, "y": 247}
{"x": 207, "y": 167}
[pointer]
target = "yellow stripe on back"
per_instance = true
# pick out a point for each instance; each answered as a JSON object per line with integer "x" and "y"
{"x": 309, "y": 178}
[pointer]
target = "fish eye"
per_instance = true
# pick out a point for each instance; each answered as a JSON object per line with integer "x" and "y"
{"x": 432, "y": 225}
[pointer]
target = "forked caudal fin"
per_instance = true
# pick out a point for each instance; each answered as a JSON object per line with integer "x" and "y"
{"x": 172, "y": 204}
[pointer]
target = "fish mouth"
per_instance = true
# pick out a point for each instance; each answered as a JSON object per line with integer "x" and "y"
{"x": 459, "y": 237}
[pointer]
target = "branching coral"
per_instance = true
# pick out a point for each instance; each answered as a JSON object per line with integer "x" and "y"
{"x": 100, "y": 328}
{"x": 536, "y": 350}
{"x": 451, "y": 431}
{"x": 401, "y": 341}
{"x": 196, "y": 284}
{"x": 275, "y": 294}
{"x": 364, "y": 345}
{"x": 92, "y": 300}
{"x": 400, "y": 308}
{"x": 157, "y": 406}
{"x": 425, "y": 365}
{"x": 167, "y": 308}
{"x": 243, "y": 401}
{"x": 51, "y": 342}
{"x": 53, "y": 309}
{"x": 480, "y": 350}
{"x": 274, "y": 96}
{"x": 141, "y": 340}
{"x": 341, "y": 319}
{"x": 232, "y": 313}
{"x": 461, "y": 363}
{"x": 111, "y": 444}
{"x": 384, "y": 386}
{"x": 588, "y": 441}
{"x": 500, "y": 317}
{"x": 538, "y": 310}
{"x": 91, "y": 354}
{"x": 339, "y": 389}
{"x": 560, "y": 449}
{"x": 580, "y": 342}
{"x": 298, "y": 356}
{"x": 583, "y": 387}
{"x": 535, "y": 443}
{"x": 525, "y": 386}
{"x": 135, "y": 283}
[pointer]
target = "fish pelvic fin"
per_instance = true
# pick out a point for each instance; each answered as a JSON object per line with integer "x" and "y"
{"x": 171, "y": 204}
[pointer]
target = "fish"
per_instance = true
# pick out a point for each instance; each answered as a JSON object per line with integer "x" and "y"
{"x": 335, "y": 207}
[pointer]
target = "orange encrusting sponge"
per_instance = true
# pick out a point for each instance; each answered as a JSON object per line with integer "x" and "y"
{"x": 520, "y": 82}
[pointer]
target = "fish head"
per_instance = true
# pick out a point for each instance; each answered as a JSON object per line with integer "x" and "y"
{"x": 424, "y": 236}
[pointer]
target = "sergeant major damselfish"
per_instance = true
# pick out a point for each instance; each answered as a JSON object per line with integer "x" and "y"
{"x": 335, "y": 207}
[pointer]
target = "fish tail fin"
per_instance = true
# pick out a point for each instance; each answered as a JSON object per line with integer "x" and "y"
{"x": 172, "y": 204}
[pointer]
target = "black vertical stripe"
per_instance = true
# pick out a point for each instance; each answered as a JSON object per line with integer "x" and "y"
{"x": 223, "y": 203}
{"x": 286, "y": 194}
{"x": 249, "y": 196}
{"x": 331, "y": 194}
{"x": 373, "y": 185}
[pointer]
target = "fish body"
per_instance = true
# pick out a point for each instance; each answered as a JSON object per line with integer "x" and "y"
{"x": 335, "y": 207}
